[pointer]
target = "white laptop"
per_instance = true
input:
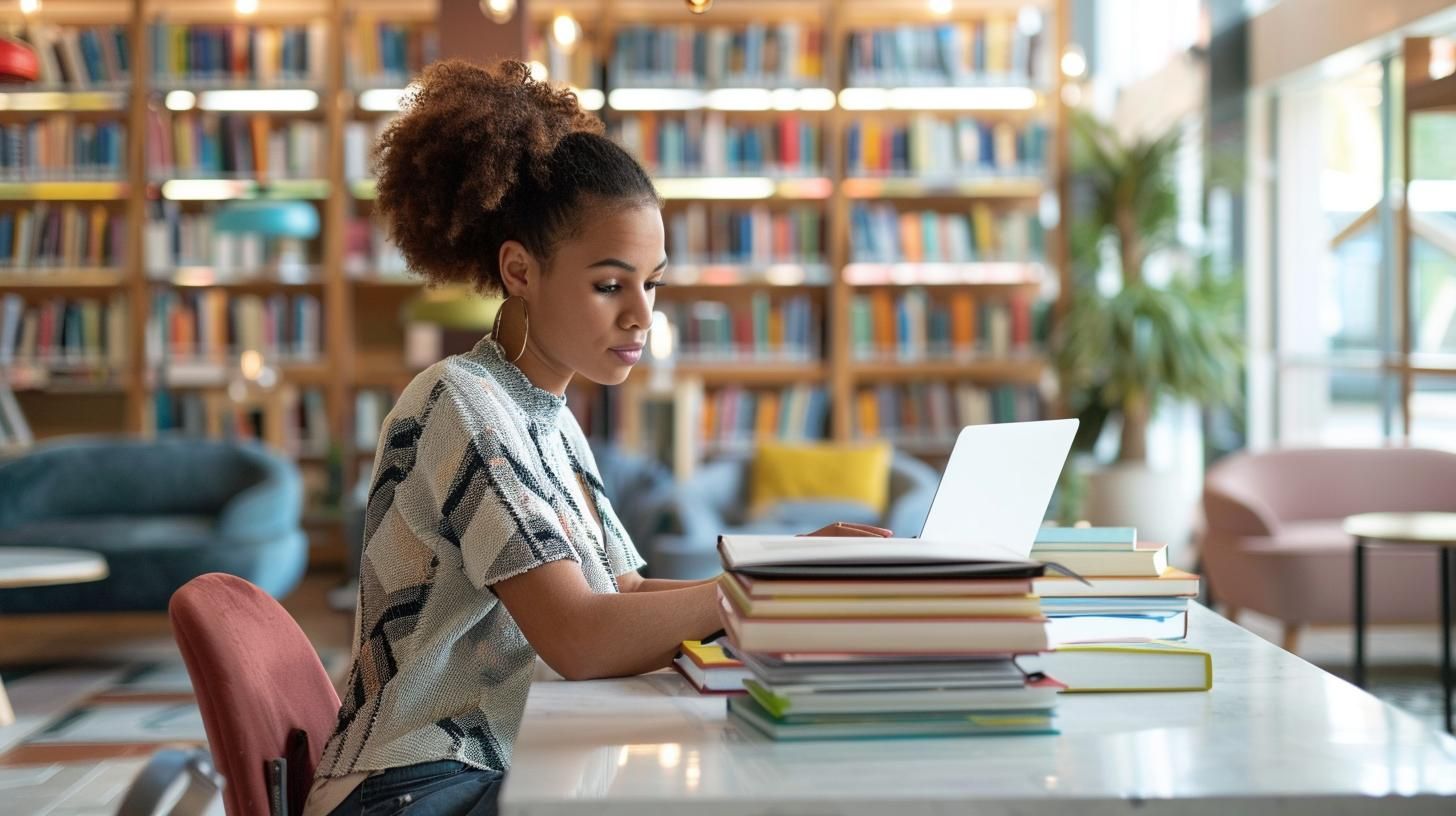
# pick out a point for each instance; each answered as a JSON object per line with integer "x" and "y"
{"x": 998, "y": 484}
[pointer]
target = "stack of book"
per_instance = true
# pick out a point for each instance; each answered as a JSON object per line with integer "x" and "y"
{"x": 866, "y": 637}
{"x": 1113, "y": 631}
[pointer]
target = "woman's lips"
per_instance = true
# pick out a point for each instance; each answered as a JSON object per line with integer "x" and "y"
{"x": 629, "y": 355}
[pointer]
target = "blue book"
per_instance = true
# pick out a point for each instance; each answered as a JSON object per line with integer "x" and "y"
{"x": 1064, "y": 538}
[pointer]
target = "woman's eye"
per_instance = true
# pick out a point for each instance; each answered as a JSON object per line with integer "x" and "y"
{"x": 655, "y": 284}
{"x": 609, "y": 288}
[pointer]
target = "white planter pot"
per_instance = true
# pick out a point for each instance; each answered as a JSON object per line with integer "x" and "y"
{"x": 1156, "y": 502}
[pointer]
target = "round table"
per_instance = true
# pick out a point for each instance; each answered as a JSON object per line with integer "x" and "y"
{"x": 44, "y": 566}
{"x": 1406, "y": 529}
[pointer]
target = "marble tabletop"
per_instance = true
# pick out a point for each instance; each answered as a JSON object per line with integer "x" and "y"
{"x": 43, "y": 566}
{"x": 1275, "y": 735}
{"x": 1408, "y": 528}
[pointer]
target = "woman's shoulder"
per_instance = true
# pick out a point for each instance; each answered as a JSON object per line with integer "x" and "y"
{"x": 469, "y": 390}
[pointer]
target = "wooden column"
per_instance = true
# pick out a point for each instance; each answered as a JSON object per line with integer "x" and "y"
{"x": 138, "y": 300}
{"x": 466, "y": 32}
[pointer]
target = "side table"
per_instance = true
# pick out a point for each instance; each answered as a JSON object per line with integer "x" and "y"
{"x": 1410, "y": 529}
{"x": 43, "y": 566}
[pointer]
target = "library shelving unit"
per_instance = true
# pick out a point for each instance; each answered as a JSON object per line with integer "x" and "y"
{"x": 856, "y": 193}
{"x": 127, "y": 306}
{"x": 852, "y": 195}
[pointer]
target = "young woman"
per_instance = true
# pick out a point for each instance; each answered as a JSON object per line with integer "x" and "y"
{"x": 488, "y": 538}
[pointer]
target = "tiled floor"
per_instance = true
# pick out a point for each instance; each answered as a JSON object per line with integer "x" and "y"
{"x": 1402, "y": 660}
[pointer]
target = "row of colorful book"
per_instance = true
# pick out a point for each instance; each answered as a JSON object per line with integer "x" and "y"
{"x": 734, "y": 417}
{"x": 369, "y": 253}
{"x": 388, "y": 53}
{"x": 708, "y": 144}
{"x": 994, "y": 49}
{"x": 60, "y": 147}
{"x": 930, "y": 413}
{"x": 63, "y": 332}
{"x": 852, "y": 637}
{"x": 763, "y": 329}
{"x": 242, "y": 55}
{"x": 963, "y": 147}
{"x": 245, "y": 145}
{"x": 911, "y": 324}
{"x": 212, "y": 326}
{"x": 175, "y": 238}
{"x": 703, "y": 234}
{"x": 46, "y": 236}
{"x": 78, "y": 58}
{"x": 786, "y": 54}
{"x": 882, "y": 233}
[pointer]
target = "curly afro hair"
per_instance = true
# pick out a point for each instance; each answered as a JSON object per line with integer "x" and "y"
{"x": 483, "y": 155}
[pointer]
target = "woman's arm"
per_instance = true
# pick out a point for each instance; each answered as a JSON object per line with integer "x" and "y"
{"x": 584, "y": 635}
{"x": 633, "y": 582}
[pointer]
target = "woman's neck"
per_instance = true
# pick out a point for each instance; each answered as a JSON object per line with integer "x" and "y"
{"x": 542, "y": 372}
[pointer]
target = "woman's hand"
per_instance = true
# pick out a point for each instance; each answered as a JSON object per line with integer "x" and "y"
{"x": 849, "y": 529}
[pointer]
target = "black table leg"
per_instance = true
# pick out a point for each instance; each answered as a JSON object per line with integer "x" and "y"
{"x": 1446, "y": 637}
{"x": 1360, "y": 611}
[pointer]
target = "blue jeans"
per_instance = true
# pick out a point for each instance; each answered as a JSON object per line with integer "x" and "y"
{"x": 442, "y": 788}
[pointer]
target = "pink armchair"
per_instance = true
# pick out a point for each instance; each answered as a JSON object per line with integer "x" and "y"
{"x": 1273, "y": 543}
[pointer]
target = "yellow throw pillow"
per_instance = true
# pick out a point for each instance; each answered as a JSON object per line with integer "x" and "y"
{"x": 851, "y": 473}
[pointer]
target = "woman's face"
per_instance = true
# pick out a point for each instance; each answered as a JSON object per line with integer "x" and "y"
{"x": 589, "y": 313}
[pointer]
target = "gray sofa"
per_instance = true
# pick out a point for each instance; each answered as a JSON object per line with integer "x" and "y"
{"x": 714, "y": 502}
{"x": 161, "y": 512}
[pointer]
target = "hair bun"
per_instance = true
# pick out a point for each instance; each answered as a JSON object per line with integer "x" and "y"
{"x": 466, "y": 136}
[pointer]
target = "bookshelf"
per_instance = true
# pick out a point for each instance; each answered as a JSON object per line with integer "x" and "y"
{"x": 795, "y": 173}
{"x": 913, "y": 153}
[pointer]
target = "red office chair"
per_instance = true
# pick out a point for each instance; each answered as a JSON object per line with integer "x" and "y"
{"x": 263, "y": 693}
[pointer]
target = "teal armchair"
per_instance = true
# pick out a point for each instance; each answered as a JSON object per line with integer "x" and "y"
{"x": 160, "y": 511}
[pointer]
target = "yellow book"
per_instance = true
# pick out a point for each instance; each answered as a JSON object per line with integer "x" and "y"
{"x": 870, "y": 146}
{"x": 869, "y": 414}
{"x": 985, "y": 229}
{"x": 709, "y": 669}
{"x": 767, "y": 416}
{"x": 1157, "y": 665}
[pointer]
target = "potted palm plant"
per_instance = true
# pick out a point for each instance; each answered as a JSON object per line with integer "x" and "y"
{"x": 1123, "y": 349}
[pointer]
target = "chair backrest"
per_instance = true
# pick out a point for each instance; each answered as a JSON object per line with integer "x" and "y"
{"x": 1302, "y": 484}
{"x": 262, "y": 690}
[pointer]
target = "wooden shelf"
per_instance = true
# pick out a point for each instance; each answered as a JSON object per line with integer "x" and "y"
{"x": 921, "y": 187}
{"x": 228, "y": 189}
{"x": 62, "y": 280}
{"x": 767, "y": 276}
{"x": 63, "y": 190}
{"x": 1017, "y": 368}
{"x": 207, "y": 277}
{"x": 746, "y": 372}
{"x": 35, "y": 99}
{"x": 1014, "y": 274}
{"x": 743, "y": 188}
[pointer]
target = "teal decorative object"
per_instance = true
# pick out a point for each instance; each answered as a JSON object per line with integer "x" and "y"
{"x": 274, "y": 219}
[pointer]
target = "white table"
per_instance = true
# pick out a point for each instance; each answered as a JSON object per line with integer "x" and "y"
{"x": 1275, "y": 735}
{"x": 43, "y": 566}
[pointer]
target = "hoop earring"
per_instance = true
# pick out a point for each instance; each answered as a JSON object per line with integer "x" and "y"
{"x": 495, "y": 330}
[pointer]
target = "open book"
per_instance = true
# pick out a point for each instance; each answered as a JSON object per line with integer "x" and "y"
{"x": 815, "y": 557}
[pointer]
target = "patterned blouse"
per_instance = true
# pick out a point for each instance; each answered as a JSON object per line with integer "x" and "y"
{"x": 478, "y": 478}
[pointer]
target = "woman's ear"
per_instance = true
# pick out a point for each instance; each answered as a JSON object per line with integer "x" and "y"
{"x": 516, "y": 267}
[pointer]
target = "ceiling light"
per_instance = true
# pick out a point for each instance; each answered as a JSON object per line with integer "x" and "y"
{"x": 499, "y": 11}
{"x": 565, "y": 30}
